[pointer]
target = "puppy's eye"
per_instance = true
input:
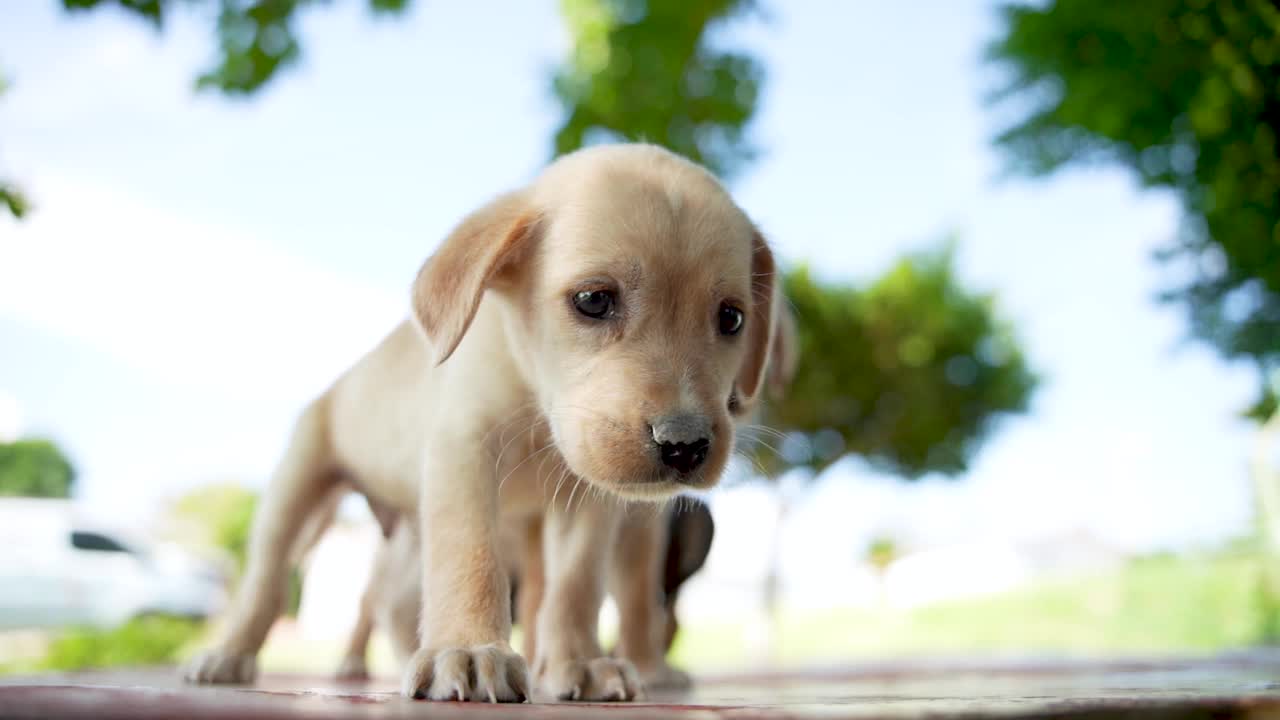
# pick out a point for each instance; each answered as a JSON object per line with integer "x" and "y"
{"x": 731, "y": 319}
{"x": 596, "y": 304}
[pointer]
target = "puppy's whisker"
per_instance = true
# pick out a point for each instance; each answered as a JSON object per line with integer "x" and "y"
{"x": 503, "y": 446}
{"x": 501, "y": 427}
{"x": 599, "y": 496}
{"x": 542, "y": 464}
{"x": 564, "y": 473}
{"x": 584, "y": 408}
{"x": 627, "y": 508}
{"x": 586, "y": 412}
{"x": 749, "y": 439}
{"x": 497, "y": 461}
{"x": 755, "y": 464}
{"x": 516, "y": 414}
{"x": 534, "y": 421}
{"x": 773, "y": 432}
{"x": 749, "y": 434}
{"x": 653, "y": 508}
{"x": 586, "y": 493}
{"x": 529, "y": 457}
{"x": 757, "y": 442}
{"x": 572, "y": 491}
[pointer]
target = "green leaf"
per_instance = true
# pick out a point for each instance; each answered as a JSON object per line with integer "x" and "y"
{"x": 13, "y": 200}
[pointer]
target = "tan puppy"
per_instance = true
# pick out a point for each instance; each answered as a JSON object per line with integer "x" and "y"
{"x": 654, "y": 555}
{"x": 584, "y": 338}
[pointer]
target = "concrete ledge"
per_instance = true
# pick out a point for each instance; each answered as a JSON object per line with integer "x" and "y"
{"x": 1243, "y": 685}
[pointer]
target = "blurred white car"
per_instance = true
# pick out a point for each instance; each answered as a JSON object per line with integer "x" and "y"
{"x": 56, "y": 570}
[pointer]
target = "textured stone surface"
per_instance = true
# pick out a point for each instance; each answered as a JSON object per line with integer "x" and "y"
{"x": 1239, "y": 685}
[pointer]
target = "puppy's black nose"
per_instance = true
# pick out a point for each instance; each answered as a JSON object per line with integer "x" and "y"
{"x": 683, "y": 441}
{"x": 684, "y": 458}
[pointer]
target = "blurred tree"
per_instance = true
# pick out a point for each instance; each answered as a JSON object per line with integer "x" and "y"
{"x": 910, "y": 373}
{"x": 221, "y": 515}
{"x": 1186, "y": 93}
{"x": 882, "y": 553}
{"x": 638, "y": 69}
{"x": 35, "y": 468}
{"x": 256, "y": 38}
{"x": 644, "y": 70}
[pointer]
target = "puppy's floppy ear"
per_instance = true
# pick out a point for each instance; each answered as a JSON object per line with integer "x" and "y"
{"x": 760, "y": 321}
{"x": 480, "y": 249}
{"x": 784, "y": 358}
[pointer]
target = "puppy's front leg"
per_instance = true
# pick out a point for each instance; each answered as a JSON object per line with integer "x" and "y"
{"x": 570, "y": 664}
{"x": 466, "y": 615}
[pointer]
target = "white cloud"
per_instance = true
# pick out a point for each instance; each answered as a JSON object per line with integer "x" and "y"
{"x": 10, "y": 417}
{"x": 184, "y": 300}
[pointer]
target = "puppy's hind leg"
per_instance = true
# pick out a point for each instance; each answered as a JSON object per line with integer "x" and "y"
{"x": 398, "y": 602}
{"x": 354, "y": 661}
{"x": 296, "y": 491}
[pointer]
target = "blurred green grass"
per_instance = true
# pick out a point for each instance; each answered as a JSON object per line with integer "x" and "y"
{"x": 1155, "y": 605}
{"x": 143, "y": 641}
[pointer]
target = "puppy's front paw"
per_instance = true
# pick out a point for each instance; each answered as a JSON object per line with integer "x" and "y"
{"x": 485, "y": 673}
{"x": 217, "y": 667}
{"x": 353, "y": 669}
{"x": 609, "y": 679}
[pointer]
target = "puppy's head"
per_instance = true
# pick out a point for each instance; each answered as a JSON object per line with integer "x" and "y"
{"x": 639, "y": 303}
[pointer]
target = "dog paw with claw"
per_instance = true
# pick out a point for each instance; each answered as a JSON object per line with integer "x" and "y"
{"x": 213, "y": 667}
{"x": 485, "y": 673}
{"x": 602, "y": 679}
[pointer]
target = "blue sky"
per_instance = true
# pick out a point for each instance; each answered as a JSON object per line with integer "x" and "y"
{"x": 198, "y": 267}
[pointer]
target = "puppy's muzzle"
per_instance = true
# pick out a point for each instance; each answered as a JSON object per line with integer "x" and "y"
{"x": 683, "y": 441}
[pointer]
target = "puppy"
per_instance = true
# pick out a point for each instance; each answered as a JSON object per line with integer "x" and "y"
{"x": 654, "y": 555}
{"x": 574, "y": 346}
